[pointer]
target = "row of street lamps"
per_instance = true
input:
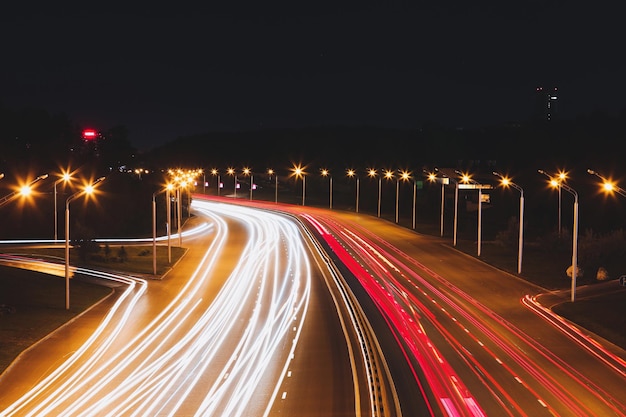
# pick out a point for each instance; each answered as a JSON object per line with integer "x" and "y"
{"x": 25, "y": 190}
{"x": 461, "y": 181}
{"x": 181, "y": 181}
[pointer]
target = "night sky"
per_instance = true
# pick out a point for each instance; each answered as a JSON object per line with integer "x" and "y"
{"x": 179, "y": 69}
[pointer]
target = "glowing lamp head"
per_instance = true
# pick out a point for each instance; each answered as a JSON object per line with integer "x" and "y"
{"x": 608, "y": 186}
{"x": 25, "y": 190}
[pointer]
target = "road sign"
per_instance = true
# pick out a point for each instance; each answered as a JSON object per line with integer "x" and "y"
{"x": 622, "y": 280}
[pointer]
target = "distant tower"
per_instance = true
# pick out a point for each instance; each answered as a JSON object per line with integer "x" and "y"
{"x": 546, "y": 103}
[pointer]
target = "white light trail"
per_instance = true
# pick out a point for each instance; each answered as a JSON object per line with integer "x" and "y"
{"x": 176, "y": 363}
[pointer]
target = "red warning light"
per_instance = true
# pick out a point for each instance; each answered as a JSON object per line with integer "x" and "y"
{"x": 89, "y": 134}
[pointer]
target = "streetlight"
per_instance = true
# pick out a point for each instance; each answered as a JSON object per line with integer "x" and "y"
{"x": 326, "y": 173}
{"x": 248, "y": 171}
{"x": 89, "y": 189}
{"x": 556, "y": 183}
{"x": 351, "y": 173}
{"x": 24, "y": 190}
{"x": 405, "y": 177}
{"x": 466, "y": 179}
{"x": 608, "y": 185}
{"x": 168, "y": 196}
{"x": 372, "y": 173}
{"x": 389, "y": 176}
{"x": 271, "y": 172}
{"x": 154, "y": 225}
{"x": 432, "y": 177}
{"x": 231, "y": 171}
{"x": 215, "y": 173}
{"x": 506, "y": 182}
{"x": 66, "y": 177}
{"x": 179, "y": 196}
{"x": 298, "y": 171}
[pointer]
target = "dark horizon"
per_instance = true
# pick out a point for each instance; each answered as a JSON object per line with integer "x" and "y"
{"x": 173, "y": 72}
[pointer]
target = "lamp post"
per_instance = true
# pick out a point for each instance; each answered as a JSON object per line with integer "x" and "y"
{"x": 397, "y": 198}
{"x": 248, "y": 172}
{"x": 154, "y": 266}
{"x": 326, "y": 173}
{"x": 271, "y": 172}
{"x": 352, "y": 173}
{"x": 466, "y": 179}
{"x": 178, "y": 212}
{"x": 456, "y": 211}
{"x": 298, "y": 172}
{"x": 389, "y": 176}
{"x": 231, "y": 171}
{"x": 216, "y": 173}
{"x": 608, "y": 185}
{"x": 555, "y": 182}
{"x": 562, "y": 185}
{"x": 372, "y": 173}
{"x": 89, "y": 189}
{"x": 64, "y": 178}
{"x": 506, "y": 182}
{"x": 406, "y": 176}
{"x": 447, "y": 177}
{"x": 168, "y": 196}
{"x": 432, "y": 177}
{"x": 24, "y": 190}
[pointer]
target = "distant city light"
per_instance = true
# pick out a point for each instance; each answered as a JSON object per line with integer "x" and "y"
{"x": 89, "y": 134}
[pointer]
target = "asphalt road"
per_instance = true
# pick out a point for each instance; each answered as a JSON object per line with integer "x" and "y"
{"x": 244, "y": 324}
{"x": 473, "y": 332}
{"x": 450, "y": 334}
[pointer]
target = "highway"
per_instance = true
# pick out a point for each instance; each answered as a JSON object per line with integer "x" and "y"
{"x": 251, "y": 322}
{"x": 293, "y": 310}
{"x": 473, "y": 333}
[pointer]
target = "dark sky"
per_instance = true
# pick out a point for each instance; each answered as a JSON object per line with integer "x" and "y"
{"x": 180, "y": 69}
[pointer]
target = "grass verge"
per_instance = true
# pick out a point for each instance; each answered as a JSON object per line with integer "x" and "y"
{"x": 32, "y": 304}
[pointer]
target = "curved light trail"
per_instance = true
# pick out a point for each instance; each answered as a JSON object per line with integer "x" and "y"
{"x": 496, "y": 365}
{"x": 177, "y": 362}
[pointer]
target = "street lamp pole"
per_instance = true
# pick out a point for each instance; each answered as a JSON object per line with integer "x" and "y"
{"x": 65, "y": 178}
{"x": 397, "y": 198}
{"x": 561, "y": 185}
{"x": 352, "y": 173}
{"x": 432, "y": 177}
{"x": 215, "y": 173}
{"x": 87, "y": 190}
{"x": 248, "y": 172}
{"x": 468, "y": 180}
{"x": 154, "y": 265}
{"x": 231, "y": 171}
{"x": 607, "y": 184}
{"x": 372, "y": 173}
{"x": 574, "y": 239}
{"x": 178, "y": 212}
{"x": 168, "y": 196}
{"x": 326, "y": 173}
{"x": 25, "y": 190}
{"x": 298, "y": 171}
{"x": 506, "y": 183}
{"x": 404, "y": 176}
{"x": 456, "y": 210}
{"x": 271, "y": 172}
{"x": 559, "y": 178}
{"x": 389, "y": 176}
{"x": 414, "y": 201}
